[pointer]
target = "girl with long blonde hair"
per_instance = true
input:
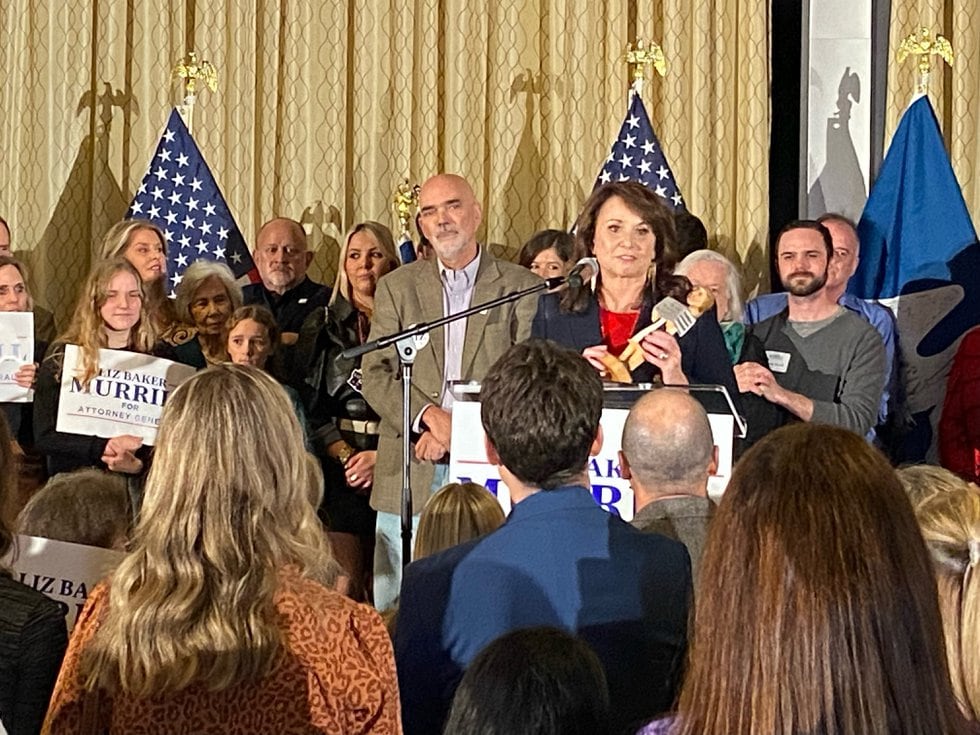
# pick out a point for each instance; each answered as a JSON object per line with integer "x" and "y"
{"x": 111, "y": 314}
{"x": 220, "y": 606}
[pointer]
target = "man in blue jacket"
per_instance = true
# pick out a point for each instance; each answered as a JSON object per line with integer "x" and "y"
{"x": 559, "y": 560}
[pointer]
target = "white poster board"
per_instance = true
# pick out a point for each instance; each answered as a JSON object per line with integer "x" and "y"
{"x": 468, "y": 459}
{"x": 126, "y": 397}
{"x": 62, "y": 571}
{"x": 16, "y": 349}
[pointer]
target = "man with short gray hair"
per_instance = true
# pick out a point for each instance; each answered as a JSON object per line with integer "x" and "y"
{"x": 668, "y": 454}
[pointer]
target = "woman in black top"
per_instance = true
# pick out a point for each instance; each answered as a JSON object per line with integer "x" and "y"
{"x": 33, "y": 634}
{"x": 344, "y": 427}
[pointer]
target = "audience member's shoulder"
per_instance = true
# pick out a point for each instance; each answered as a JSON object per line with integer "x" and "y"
{"x": 312, "y": 613}
{"x": 24, "y": 606}
{"x": 406, "y": 274}
{"x": 515, "y": 273}
{"x": 252, "y": 293}
{"x": 861, "y": 326}
{"x": 445, "y": 560}
{"x": 654, "y": 545}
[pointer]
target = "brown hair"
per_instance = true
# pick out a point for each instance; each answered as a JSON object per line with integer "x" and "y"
{"x": 651, "y": 210}
{"x": 805, "y": 224}
{"x": 88, "y": 507}
{"x": 458, "y": 512}
{"x": 950, "y": 523}
{"x": 260, "y": 314}
{"x": 541, "y": 428}
{"x": 817, "y": 609}
{"x": 568, "y": 248}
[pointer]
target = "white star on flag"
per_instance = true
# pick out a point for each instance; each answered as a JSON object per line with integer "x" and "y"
{"x": 192, "y": 190}
{"x": 652, "y": 168}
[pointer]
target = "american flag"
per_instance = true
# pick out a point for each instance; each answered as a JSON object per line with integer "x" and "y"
{"x": 180, "y": 196}
{"x": 638, "y": 156}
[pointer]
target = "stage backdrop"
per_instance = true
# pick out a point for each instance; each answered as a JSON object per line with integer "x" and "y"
{"x": 324, "y": 107}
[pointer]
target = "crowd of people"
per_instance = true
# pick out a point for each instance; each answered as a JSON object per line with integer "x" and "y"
{"x": 261, "y": 585}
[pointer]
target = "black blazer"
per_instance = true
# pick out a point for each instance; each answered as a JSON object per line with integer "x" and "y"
{"x": 704, "y": 358}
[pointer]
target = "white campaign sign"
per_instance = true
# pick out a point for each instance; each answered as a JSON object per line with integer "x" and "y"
{"x": 468, "y": 460}
{"x": 62, "y": 571}
{"x": 16, "y": 349}
{"x": 126, "y": 397}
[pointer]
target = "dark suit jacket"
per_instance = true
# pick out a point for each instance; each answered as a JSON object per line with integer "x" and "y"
{"x": 704, "y": 357}
{"x": 413, "y": 294}
{"x": 292, "y": 308}
{"x": 562, "y": 561}
{"x": 684, "y": 519}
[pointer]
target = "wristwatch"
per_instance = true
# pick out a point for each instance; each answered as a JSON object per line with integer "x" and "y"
{"x": 345, "y": 454}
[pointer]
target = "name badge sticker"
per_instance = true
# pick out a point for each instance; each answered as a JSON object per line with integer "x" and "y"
{"x": 778, "y": 361}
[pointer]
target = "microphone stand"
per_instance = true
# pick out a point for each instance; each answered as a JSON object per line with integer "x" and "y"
{"x": 407, "y": 344}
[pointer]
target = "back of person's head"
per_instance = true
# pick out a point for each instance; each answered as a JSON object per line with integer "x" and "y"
{"x": 922, "y": 481}
{"x": 691, "y": 233}
{"x": 950, "y": 523}
{"x": 8, "y": 484}
{"x": 458, "y": 512}
{"x": 541, "y": 405}
{"x": 817, "y": 608}
{"x": 536, "y": 681}
{"x": 227, "y": 507}
{"x": 88, "y": 507}
{"x": 668, "y": 443}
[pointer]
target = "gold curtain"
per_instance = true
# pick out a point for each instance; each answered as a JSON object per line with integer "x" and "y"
{"x": 323, "y": 108}
{"x": 954, "y": 92}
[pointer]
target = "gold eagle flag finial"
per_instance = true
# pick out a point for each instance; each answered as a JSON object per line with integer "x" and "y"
{"x": 406, "y": 201}
{"x": 641, "y": 56}
{"x": 923, "y": 45}
{"x": 192, "y": 72}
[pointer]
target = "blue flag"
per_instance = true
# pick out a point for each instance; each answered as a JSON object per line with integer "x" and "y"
{"x": 920, "y": 258}
{"x": 636, "y": 155}
{"x": 180, "y": 196}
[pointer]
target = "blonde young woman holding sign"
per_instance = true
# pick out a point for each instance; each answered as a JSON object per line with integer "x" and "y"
{"x": 111, "y": 314}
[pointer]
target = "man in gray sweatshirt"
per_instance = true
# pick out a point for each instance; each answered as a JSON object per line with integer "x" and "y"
{"x": 815, "y": 360}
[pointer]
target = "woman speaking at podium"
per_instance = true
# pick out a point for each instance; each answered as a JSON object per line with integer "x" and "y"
{"x": 630, "y": 230}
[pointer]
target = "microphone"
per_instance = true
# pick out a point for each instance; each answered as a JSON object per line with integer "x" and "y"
{"x": 583, "y": 271}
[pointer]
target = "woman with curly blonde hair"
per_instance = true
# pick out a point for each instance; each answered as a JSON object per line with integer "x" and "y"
{"x": 950, "y": 523}
{"x": 111, "y": 314}
{"x": 218, "y": 619}
{"x": 144, "y": 245}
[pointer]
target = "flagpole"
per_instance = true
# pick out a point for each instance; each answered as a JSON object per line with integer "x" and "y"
{"x": 405, "y": 202}
{"x": 192, "y": 71}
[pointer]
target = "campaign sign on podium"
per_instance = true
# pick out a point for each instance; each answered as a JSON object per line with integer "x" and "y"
{"x": 126, "y": 397}
{"x": 64, "y": 572}
{"x": 16, "y": 349}
{"x": 468, "y": 459}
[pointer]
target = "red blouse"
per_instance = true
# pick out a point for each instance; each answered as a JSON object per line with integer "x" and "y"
{"x": 617, "y": 328}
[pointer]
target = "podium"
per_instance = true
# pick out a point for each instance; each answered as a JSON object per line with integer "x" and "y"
{"x": 468, "y": 459}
